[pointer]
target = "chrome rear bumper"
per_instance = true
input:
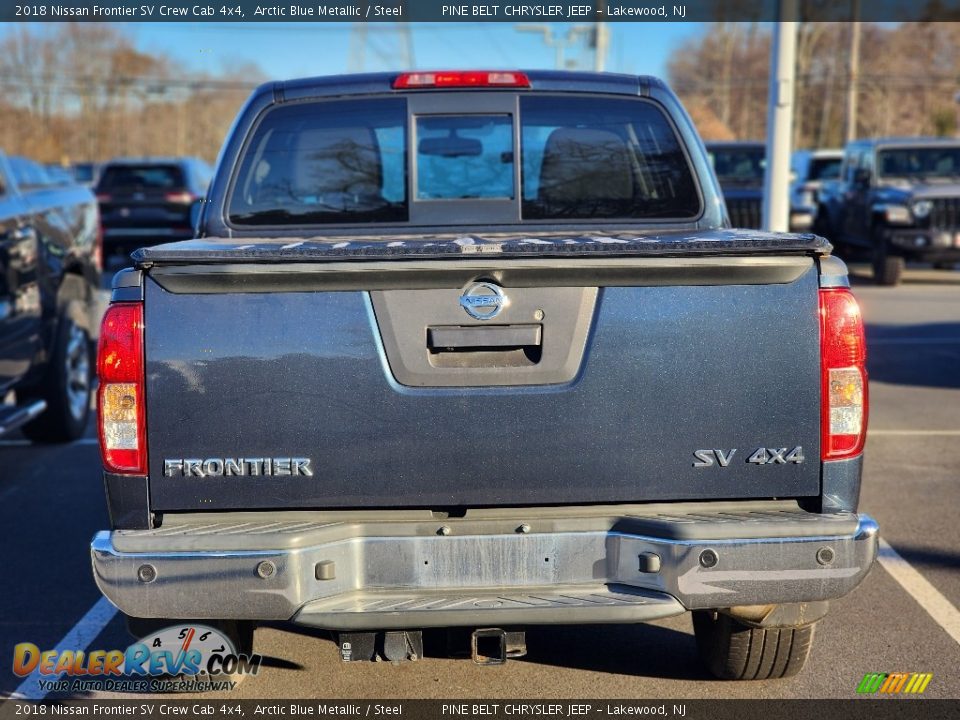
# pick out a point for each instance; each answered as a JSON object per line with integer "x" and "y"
{"x": 497, "y": 570}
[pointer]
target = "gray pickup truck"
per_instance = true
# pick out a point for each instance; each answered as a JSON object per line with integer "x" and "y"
{"x": 479, "y": 350}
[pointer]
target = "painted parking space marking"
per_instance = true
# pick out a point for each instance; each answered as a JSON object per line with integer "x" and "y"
{"x": 78, "y": 638}
{"x": 944, "y": 613}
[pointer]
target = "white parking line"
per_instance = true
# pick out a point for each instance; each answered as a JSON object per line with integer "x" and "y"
{"x": 930, "y": 599}
{"x": 79, "y": 637}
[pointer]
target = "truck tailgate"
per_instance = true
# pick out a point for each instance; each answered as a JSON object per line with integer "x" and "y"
{"x": 596, "y": 382}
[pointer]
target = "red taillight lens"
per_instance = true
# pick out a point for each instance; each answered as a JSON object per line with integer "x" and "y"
{"x": 104, "y": 197}
{"x": 120, "y": 397}
{"x": 181, "y": 198}
{"x": 461, "y": 79}
{"x": 843, "y": 356}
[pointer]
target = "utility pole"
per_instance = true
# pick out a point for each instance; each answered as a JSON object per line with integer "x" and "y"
{"x": 776, "y": 182}
{"x": 601, "y": 40}
{"x": 559, "y": 44}
{"x": 360, "y": 41}
{"x": 854, "y": 73}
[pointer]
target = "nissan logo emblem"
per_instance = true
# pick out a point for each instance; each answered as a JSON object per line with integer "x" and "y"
{"x": 483, "y": 300}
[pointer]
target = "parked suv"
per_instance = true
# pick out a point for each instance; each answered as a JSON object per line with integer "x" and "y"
{"x": 144, "y": 201}
{"x": 810, "y": 169}
{"x": 897, "y": 199}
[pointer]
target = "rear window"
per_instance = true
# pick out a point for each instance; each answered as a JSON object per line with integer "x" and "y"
{"x": 738, "y": 165}
{"x": 825, "y": 169}
{"x": 595, "y": 158}
{"x": 464, "y": 156}
{"x": 141, "y": 177}
{"x": 351, "y": 161}
{"x": 329, "y": 162}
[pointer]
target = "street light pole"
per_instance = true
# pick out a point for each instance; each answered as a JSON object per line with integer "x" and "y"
{"x": 776, "y": 182}
{"x": 854, "y": 73}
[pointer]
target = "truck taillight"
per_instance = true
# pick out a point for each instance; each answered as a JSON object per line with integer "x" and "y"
{"x": 120, "y": 397}
{"x": 843, "y": 356}
{"x": 461, "y": 79}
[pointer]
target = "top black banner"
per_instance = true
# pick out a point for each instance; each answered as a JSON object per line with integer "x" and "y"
{"x": 242, "y": 11}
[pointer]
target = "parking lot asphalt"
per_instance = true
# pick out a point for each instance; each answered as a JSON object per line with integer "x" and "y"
{"x": 51, "y": 503}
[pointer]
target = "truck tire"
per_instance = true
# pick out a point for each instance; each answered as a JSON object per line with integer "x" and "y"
{"x": 66, "y": 383}
{"x": 887, "y": 268}
{"x": 733, "y": 650}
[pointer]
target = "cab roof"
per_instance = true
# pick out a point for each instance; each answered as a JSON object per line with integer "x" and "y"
{"x": 382, "y": 82}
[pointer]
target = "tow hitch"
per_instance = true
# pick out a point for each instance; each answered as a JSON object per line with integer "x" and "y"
{"x": 492, "y": 646}
{"x": 488, "y": 646}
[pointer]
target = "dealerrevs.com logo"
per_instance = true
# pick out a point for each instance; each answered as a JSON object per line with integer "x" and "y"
{"x": 894, "y": 683}
{"x": 180, "y": 658}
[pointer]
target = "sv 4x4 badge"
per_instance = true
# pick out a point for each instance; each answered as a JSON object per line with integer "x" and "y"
{"x": 760, "y": 456}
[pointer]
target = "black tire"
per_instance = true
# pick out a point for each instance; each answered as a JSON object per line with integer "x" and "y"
{"x": 887, "y": 268}
{"x": 944, "y": 266}
{"x": 732, "y": 650}
{"x": 67, "y": 382}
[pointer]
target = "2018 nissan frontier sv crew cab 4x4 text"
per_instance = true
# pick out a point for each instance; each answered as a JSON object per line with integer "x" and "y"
{"x": 480, "y": 350}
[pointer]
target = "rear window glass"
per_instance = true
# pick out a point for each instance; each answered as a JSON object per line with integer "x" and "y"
{"x": 825, "y": 168}
{"x": 464, "y": 156}
{"x": 313, "y": 163}
{"x": 347, "y": 161}
{"x": 141, "y": 177}
{"x": 595, "y": 158}
{"x": 738, "y": 165}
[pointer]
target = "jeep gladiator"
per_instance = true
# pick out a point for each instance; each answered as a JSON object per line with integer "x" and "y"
{"x": 479, "y": 350}
{"x": 897, "y": 199}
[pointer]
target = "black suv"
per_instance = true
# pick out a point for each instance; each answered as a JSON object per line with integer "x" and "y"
{"x": 897, "y": 199}
{"x": 145, "y": 201}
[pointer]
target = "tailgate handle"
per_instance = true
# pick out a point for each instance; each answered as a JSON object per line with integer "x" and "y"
{"x": 483, "y": 337}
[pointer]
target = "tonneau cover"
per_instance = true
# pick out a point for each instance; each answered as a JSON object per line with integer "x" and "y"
{"x": 512, "y": 245}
